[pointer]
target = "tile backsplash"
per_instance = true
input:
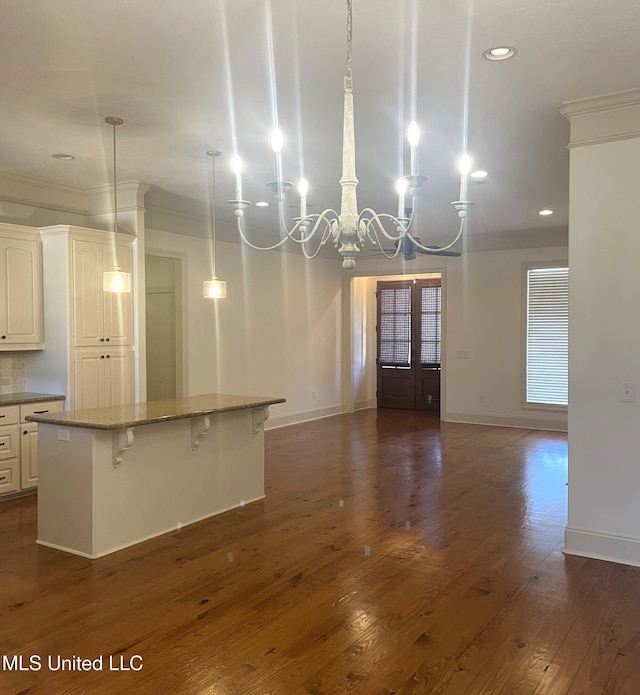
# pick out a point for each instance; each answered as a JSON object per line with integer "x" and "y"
{"x": 11, "y": 374}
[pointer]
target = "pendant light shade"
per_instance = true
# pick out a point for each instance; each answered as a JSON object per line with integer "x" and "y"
{"x": 115, "y": 280}
{"x": 214, "y": 288}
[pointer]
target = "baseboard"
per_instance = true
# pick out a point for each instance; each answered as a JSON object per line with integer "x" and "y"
{"x": 171, "y": 529}
{"x": 302, "y": 416}
{"x": 530, "y": 423}
{"x": 602, "y": 546}
{"x": 526, "y": 422}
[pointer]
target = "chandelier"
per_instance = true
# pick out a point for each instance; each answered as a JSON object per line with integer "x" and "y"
{"x": 350, "y": 230}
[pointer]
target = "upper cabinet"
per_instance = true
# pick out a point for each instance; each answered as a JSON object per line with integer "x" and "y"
{"x": 20, "y": 289}
{"x": 100, "y": 318}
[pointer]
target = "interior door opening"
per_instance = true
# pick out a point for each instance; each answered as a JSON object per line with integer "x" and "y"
{"x": 164, "y": 327}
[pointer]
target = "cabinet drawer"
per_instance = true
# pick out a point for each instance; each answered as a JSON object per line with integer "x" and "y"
{"x": 40, "y": 408}
{"x": 9, "y": 476}
{"x": 9, "y": 442}
{"x": 9, "y": 415}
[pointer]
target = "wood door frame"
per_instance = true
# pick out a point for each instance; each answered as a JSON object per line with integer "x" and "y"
{"x": 414, "y": 384}
{"x": 181, "y": 314}
{"x": 359, "y": 353}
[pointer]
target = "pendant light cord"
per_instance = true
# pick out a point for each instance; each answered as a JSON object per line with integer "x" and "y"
{"x": 212, "y": 215}
{"x": 115, "y": 190}
{"x": 114, "y": 122}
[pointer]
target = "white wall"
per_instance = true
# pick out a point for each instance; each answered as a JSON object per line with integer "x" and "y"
{"x": 278, "y": 333}
{"x": 288, "y": 326}
{"x": 604, "y": 333}
{"x": 483, "y": 308}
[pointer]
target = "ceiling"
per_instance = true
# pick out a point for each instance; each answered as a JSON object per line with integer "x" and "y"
{"x": 201, "y": 74}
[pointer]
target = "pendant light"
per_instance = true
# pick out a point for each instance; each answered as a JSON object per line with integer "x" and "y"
{"x": 214, "y": 288}
{"x": 115, "y": 280}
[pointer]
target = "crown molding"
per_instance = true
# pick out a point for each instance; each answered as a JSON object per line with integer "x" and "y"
{"x": 603, "y": 102}
{"x": 42, "y": 193}
{"x": 603, "y": 119}
{"x": 100, "y": 198}
{"x": 51, "y": 195}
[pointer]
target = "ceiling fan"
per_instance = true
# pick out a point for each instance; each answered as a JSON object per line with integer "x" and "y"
{"x": 408, "y": 249}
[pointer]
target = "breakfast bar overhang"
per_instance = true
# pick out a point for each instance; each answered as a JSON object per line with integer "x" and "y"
{"x": 113, "y": 477}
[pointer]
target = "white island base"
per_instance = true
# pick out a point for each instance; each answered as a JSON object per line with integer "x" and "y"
{"x": 106, "y": 489}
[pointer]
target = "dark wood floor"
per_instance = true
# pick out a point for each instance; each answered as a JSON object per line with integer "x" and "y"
{"x": 392, "y": 555}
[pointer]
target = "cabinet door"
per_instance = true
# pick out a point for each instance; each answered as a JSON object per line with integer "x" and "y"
{"x": 9, "y": 476}
{"x": 118, "y": 307}
{"x": 28, "y": 455}
{"x": 9, "y": 442}
{"x": 88, "y": 303}
{"x": 99, "y": 317}
{"x": 20, "y": 294}
{"x": 103, "y": 377}
{"x": 118, "y": 380}
{"x": 88, "y": 372}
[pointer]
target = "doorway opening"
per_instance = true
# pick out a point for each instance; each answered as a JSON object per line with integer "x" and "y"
{"x": 409, "y": 344}
{"x": 163, "y": 298}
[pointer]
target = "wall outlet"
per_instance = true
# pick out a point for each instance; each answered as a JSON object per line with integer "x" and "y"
{"x": 313, "y": 395}
{"x": 64, "y": 436}
{"x": 627, "y": 392}
{"x": 481, "y": 397}
{"x": 462, "y": 354}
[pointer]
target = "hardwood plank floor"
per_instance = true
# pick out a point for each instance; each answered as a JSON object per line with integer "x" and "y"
{"x": 393, "y": 554}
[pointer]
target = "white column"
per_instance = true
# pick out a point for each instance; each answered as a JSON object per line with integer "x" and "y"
{"x": 604, "y": 328}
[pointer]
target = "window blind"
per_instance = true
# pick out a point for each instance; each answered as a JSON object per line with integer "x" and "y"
{"x": 430, "y": 342}
{"x": 394, "y": 326}
{"x": 547, "y": 349}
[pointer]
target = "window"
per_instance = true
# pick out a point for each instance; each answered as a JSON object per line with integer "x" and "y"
{"x": 431, "y": 323}
{"x": 394, "y": 324}
{"x": 547, "y": 297}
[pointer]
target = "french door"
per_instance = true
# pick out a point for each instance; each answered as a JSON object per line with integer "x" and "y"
{"x": 409, "y": 344}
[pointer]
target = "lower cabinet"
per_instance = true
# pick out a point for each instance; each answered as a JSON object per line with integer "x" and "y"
{"x": 29, "y": 455}
{"x": 103, "y": 377}
{"x": 9, "y": 449}
{"x": 19, "y": 445}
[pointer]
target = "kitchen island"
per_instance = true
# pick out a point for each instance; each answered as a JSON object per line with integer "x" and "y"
{"x": 113, "y": 477}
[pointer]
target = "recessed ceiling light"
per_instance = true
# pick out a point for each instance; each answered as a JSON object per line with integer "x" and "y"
{"x": 262, "y": 204}
{"x": 545, "y": 213}
{"x": 499, "y": 53}
{"x": 479, "y": 175}
{"x": 63, "y": 156}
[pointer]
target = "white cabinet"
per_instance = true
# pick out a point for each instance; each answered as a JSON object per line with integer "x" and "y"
{"x": 99, "y": 317}
{"x": 90, "y": 352}
{"x": 29, "y": 440}
{"x": 103, "y": 377}
{"x": 19, "y": 445}
{"x": 102, "y": 328}
{"x": 9, "y": 449}
{"x": 28, "y": 455}
{"x": 20, "y": 288}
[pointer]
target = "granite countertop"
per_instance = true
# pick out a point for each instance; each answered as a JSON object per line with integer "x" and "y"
{"x": 22, "y": 397}
{"x": 119, "y": 417}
